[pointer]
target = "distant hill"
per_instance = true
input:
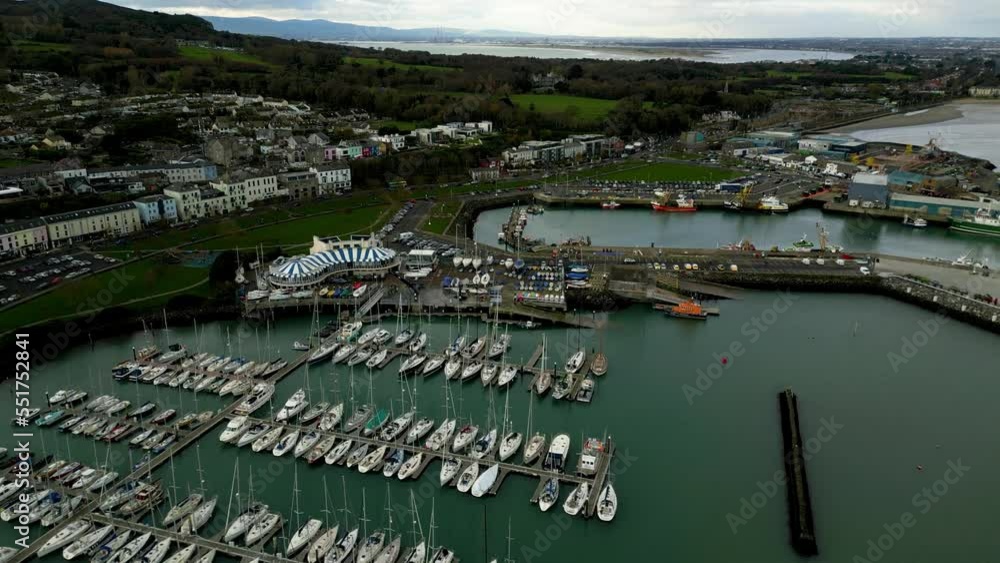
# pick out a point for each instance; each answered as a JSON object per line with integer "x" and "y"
{"x": 99, "y": 17}
{"x": 325, "y": 30}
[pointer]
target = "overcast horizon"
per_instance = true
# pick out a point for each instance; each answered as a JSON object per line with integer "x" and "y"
{"x": 640, "y": 19}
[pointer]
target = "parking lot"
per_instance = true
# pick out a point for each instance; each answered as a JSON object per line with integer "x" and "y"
{"x": 20, "y": 279}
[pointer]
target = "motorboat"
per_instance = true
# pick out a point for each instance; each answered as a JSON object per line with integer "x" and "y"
{"x": 485, "y": 480}
{"x": 293, "y": 406}
{"x": 303, "y": 536}
{"x": 410, "y": 466}
{"x": 260, "y": 530}
{"x": 246, "y": 520}
{"x": 349, "y": 331}
{"x": 306, "y": 442}
{"x": 441, "y": 436}
{"x": 550, "y": 494}
{"x": 234, "y": 429}
{"x": 510, "y": 444}
{"x": 267, "y": 440}
{"x": 257, "y": 398}
{"x": 182, "y": 509}
{"x": 468, "y": 478}
{"x": 576, "y": 361}
{"x": 329, "y": 421}
{"x": 148, "y": 496}
{"x": 322, "y": 545}
{"x": 420, "y": 429}
{"x": 432, "y": 364}
{"x": 555, "y": 459}
{"x": 372, "y": 459}
{"x": 382, "y": 337}
{"x": 449, "y": 468}
{"x": 251, "y": 435}
{"x": 393, "y": 462}
{"x": 286, "y": 443}
{"x": 576, "y": 499}
{"x": 199, "y": 517}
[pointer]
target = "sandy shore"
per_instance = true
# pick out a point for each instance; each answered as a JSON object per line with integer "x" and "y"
{"x": 946, "y": 112}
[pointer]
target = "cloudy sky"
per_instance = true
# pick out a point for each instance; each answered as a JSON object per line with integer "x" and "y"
{"x": 632, "y": 18}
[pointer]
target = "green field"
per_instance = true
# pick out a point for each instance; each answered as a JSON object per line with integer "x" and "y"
{"x": 672, "y": 172}
{"x": 387, "y": 64}
{"x": 587, "y": 109}
{"x": 397, "y": 123}
{"x": 142, "y": 280}
{"x": 301, "y": 231}
{"x": 40, "y": 46}
{"x": 207, "y": 54}
{"x": 14, "y": 162}
{"x": 441, "y": 216}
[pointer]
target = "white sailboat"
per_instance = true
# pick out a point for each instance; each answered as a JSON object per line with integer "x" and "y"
{"x": 468, "y": 478}
{"x": 607, "y": 504}
{"x": 485, "y": 480}
{"x": 575, "y": 501}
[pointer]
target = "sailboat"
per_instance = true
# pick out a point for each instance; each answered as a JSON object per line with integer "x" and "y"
{"x": 607, "y": 503}
{"x": 324, "y": 542}
{"x": 574, "y": 503}
{"x": 372, "y": 543}
{"x": 468, "y": 477}
{"x": 485, "y": 481}
{"x": 550, "y": 494}
{"x": 390, "y": 552}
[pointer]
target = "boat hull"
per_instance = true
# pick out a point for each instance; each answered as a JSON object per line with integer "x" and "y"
{"x": 975, "y": 228}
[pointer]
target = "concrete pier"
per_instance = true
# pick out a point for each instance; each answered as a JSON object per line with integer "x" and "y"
{"x": 800, "y": 517}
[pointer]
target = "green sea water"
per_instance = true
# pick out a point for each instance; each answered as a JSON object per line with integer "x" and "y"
{"x": 694, "y": 451}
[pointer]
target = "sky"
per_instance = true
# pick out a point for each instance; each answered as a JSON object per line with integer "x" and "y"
{"x": 718, "y": 19}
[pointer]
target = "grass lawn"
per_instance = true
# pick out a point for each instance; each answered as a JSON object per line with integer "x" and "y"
{"x": 301, "y": 231}
{"x": 40, "y": 46}
{"x": 672, "y": 172}
{"x": 387, "y": 64}
{"x": 207, "y": 54}
{"x": 397, "y": 123}
{"x": 793, "y": 74}
{"x": 139, "y": 280}
{"x": 441, "y": 216}
{"x": 13, "y": 162}
{"x": 588, "y": 109}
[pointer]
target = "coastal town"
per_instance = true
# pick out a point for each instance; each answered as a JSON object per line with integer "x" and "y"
{"x": 243, "y": 272}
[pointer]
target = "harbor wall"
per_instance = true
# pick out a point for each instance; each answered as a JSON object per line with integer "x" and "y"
{"x": 800, "y": 518}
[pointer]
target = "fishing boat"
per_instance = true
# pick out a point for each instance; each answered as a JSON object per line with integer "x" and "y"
{"x": 550, "y": 494}
{"x": 468, "y": 478}
{"x": 303, "y": 536}
{"x": 983, "y": 222}
{"x": 576, "y": 361}
{"x": 306, "y": 442}
{"x": 246, "y": 520}
{"x": 267, "y": 440}
{"x": 576, "y": 499}
{"x": 442, "y": 436}
{"x": 182, "y": 509}
{"x": 293, "y": 406}
{"x": 183, "y": 554}
{"x": 377, "y": 358}
{"x": 372, "y": 459}
{"x": 263, "y": 527}
{"x": 432, "y": 365}
{"x": 199, "y": 516}
{"x": 157, "y": 552}
{"x": 331, "y": 418}
{"x": 131, "y": 549}
{"x": 687, "y": 310}
{"x": 286, "y": 443}
{"x": 323, "y": 545}
{"x": 683, "y": 204}
{"x": 607, "y": 504}
{"x": 465, "y": 437}
{"x": 449, "y": 468}
{"x": 234, "y": 429}
{"x": 255, "y": 431}
{"x": 610, "y": 204}
{"x": 410, "y": 466}
{"x": 510, "y": 444}
{"x": 772, "y": 204}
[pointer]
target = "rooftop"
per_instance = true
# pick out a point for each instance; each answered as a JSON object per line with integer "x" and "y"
{"x": 92, "y": 212}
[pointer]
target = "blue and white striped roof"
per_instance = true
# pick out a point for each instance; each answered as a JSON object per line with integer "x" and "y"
{"x": 313, "y": 264}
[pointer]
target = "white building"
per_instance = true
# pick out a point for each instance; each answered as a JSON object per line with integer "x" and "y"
{"x": 246, "y": 189}
{"x": 194, "y": 203}
{"x": 98, "y": 222}
{"x": 175, "y": 173}
{"x": 156, "y": 208}
{"x": 333, "y": 177}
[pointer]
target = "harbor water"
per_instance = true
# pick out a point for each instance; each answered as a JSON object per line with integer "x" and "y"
{"x": 712, "y": 228}
{"x": 691, "y": 407}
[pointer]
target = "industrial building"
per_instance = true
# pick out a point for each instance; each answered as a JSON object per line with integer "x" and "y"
{"x": 870, "y": 189}
{"x": 935, "y": 206}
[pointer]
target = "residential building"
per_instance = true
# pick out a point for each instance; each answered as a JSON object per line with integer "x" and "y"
{"x": 98, "y": 222}
{"x": 594, "y": 145}
{"x": 984, "y": 92}
{"x": 348, "y": 150}
{"x": 394, "y": 141}
{"x": 318, "y": 139}
{"x": 246, "y": 188}
{"x": 181, "y": 173}
{"x": 156, "y": 208}
{"x": 195, "y": 202}
{"x": 300, "y": 184}
{"x": 23, "y": 237}
{"x": 334, "y": 178}
{"x": 488, "y": 174}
